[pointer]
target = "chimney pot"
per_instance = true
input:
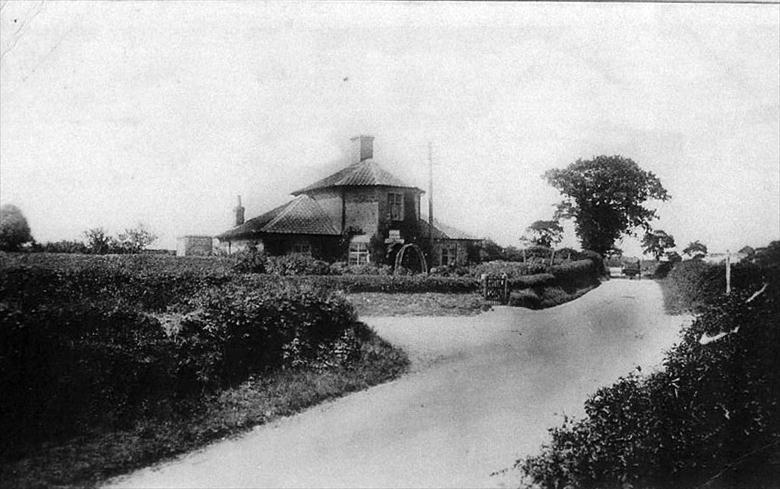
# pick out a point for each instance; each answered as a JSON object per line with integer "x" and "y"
{"x": 363, "y": 148}
{"x": 239, "y": 210}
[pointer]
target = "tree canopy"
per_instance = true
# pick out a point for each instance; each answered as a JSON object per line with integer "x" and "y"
{"x": 605, "y": 197}
{"x": 14, "y": 230}
{"x": 544, "y": 233}
{"x": 695, "y": 249}
{"x": 657, "y": 242}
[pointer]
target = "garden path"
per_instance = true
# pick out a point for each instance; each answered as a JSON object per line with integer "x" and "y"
{"x": 482, "y": 392}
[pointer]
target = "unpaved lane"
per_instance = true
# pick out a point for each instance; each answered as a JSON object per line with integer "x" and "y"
{"x": 483, "y": 392}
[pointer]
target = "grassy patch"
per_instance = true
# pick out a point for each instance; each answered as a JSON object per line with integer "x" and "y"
{"x": 419, "y": 304}
{"x": 93, "y": 457}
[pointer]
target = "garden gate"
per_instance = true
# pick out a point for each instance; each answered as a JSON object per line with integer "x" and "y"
{"x": 495, "y": 288}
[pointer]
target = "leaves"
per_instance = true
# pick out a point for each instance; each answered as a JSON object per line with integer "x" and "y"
{"x": 605, "y": 196}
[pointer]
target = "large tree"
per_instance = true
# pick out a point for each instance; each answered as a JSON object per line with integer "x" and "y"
{"x": 544, "y": 233}
{"x": 14, "y": 230}
{"x": 605, "y": 196}
{"x": 657, "y": 242}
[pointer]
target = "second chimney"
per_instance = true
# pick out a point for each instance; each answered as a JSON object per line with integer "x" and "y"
{"x": 239, "y": 212}
{"x": 362, "y": 148}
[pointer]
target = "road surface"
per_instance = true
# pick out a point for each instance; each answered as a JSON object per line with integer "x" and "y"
{"x": 482, "y": 392}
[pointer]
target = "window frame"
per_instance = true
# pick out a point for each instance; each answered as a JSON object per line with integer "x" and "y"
{"x": 358, "y": 254}
{"x": 395, "y": 202}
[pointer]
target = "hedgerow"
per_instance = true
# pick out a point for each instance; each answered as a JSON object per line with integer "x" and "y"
{"x": 709, "y": 418}
{"x": 79, "y": 348}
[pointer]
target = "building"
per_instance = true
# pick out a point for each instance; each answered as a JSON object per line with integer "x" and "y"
{"x": 192, "y": 245}
{"x": 360, "y": 214}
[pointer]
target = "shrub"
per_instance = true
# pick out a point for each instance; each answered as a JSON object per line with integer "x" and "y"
{"x": 66, "y": 365}
{"x": 511, "y": 269}
{"x": 525, "y": 298}
{"x": 296, "y": 264}
{"x": 248, "y": 261}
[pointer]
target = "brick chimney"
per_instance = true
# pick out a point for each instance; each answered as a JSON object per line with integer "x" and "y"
{"x": 362, "y": 148}
{"x": 239, "y": 210}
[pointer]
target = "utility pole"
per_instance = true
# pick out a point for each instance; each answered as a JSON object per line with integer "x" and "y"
{"x": 728, "y": 272}
{"x": 430, "y": 200}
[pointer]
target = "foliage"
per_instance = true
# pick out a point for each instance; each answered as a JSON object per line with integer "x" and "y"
{"x": 14, "y": 230}
{"x": 133, "y": 240}
{"x": 656, "y": 243}
{"x": 605, "y": 196}
{"x": 695, "y": 249}
{"x": 248, "y": 261}
{"x": 100, "y": 243}
{"x": 78, "y": 348}
{"x": 62, "y": 246}
{"x": 710, "y": 416}
{"x": 544, "y": 233}
{"x": 296, "y": 264}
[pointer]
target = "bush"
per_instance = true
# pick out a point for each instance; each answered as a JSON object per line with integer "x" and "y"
{"x": 248, "y": 261}
{"x": 296, "y": 264}
{"x": 341, "y": 268}
{"x": 511, "y": 269}
{"x": 525, "y": 298}
{"x": 14, "y": 230}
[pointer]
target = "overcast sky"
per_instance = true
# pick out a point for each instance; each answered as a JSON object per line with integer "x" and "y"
{"x": 118, "y": 113}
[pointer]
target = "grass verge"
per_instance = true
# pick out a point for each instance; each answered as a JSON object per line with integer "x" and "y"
{"x": 94, "y": 457}
{"x": 417, "y": 304}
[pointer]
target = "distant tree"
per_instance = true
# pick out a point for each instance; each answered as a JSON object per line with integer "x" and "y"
{"x": 544, "y": 233}
{"x": 748, "y": 251}
{"x": 657, "y": 242}
{"x": 100, "y": 243}
{"x": 14, "y": 230}
{"x": 134, "y": 240}
{"x": 605, "y": 197}
{"x": 695, "y": 249}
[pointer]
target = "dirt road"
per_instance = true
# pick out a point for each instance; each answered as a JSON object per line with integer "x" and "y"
{"x": 482, "y": 393}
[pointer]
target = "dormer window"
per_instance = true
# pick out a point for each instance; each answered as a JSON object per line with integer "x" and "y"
{"x": 395, "y": 204}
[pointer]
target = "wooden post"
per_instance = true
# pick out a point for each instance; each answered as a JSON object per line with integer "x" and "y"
{"x": 523, "y": 256}
{"x": 728, "y": 272}
{"x": 552, "y": 256}
{"x": 430, "y": 200}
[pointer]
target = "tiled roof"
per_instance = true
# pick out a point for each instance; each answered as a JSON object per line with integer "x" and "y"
{"x": 442, "y": 231}
{"x": 302, "y": 215}
{"x": 363, "y": 173}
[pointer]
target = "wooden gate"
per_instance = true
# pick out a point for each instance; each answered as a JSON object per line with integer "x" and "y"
{"x": 495, "y": 288}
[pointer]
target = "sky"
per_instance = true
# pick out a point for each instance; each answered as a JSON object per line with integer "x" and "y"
{"x": 119, "y": 113}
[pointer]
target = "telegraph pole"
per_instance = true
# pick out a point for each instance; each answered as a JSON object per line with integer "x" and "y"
{"x": 430, "y": 200}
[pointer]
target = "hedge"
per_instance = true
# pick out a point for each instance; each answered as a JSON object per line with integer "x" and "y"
{"x": 78, "y": 349}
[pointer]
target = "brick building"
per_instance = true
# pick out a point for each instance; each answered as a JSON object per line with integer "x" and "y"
{"x": 359, "y": 214}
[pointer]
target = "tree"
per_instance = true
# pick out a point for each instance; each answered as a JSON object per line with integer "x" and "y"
{"x": 544, "y": 233}
{"x": 657, "y": 242}
{"x": 14, "y": 230}
{"x": 696, "y": 250}
{"x": 135, "y": 239}
{"x": 605, "y": 197}
{"x": 100, "y": 243}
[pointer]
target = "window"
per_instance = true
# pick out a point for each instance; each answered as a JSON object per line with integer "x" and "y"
{"x": 302, "y": 247}
{"x": 395, "y": 203}
{"x": 448, "y": 254}
{"x": 358, "y": 253}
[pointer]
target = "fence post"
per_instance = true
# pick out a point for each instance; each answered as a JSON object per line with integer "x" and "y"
{"x": 728, "y": 272}
{"x": 506, "y": 289}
